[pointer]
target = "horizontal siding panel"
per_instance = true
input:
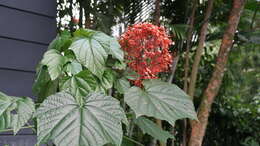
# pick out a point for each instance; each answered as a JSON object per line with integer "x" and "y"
{"x": 28, "y": 131}
{"x": 20, "y": 55}
{"x": 16, "y": 83}
{"x": 25, "y": 26}
{"x": 19, "y": 140}
{"x": 36, "y": 6}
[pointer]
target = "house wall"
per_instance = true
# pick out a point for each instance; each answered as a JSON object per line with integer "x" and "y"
{"x": 26, "y": 29}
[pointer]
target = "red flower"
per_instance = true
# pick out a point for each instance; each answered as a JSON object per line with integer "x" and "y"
{"x": 147, "y": 50}
{"x": 75, "y": 20}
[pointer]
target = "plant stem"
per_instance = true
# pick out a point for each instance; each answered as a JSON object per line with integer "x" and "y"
{"x": 25, "y": 127}
{"x": 174, "y": 66}
{"x": 130, "y": 129}
{"x": 159, "y": 123}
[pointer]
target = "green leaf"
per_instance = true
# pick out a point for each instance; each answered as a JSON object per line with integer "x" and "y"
{"x": 127, "y": 142}
{"x": 24, "y": 108}
{"x": 84, "y": 33}
{"x": 5, "y": 120}
{"x": 6, "y": 103}
{"x": 61, "y": 42}
{"x": 43, "y": 85}
{"x": 110, "y": 44}
{"x": 122, "y": 85}
{"x": 160, "y": 100}
{"x": 130, "y": 142}
{"x": 54, "y": 61}
{"x": 107, "y": 79}
{"x": 93, "y": 122}
{"x": 179, "y": 31}
{"x": 70, "y": 55}
{"x": 73, "y": 67}
{"x": 149, "y": 127}
{"x": 119, "y": 65}
{"x": 91, "y": 54}
{"x": 115, "y": 49}
{"x": 130, "y": 74}
{"x": 92, "y": 48}
{"x": 80, "y": 84}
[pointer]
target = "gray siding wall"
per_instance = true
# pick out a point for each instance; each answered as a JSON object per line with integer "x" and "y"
{"x": 26, "y": 29}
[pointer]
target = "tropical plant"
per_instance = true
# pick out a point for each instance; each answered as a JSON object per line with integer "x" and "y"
{"x": 86, "y": 97}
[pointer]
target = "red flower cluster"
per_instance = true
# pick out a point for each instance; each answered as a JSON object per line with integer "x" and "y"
{"x": 147, "y": 50}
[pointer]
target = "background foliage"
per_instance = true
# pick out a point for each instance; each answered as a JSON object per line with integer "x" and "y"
{"x": 234, "y": 119}
{"x": 236, "y": 109}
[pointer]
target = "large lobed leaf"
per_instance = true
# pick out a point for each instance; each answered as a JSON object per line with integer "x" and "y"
{"x": 91, "y": 54}
{"x": 130, "y": 142}
{"x": 24, "y": 108}
{"x": 61, "y": 42}
{"x": 43, "y": 85}
{"x": 92, "y": 48}
{"x": 110, "y": 44}
{"x": 79, "y": 85}
{"x": 5, "y": 120}
{"x": 160, "y": 100}
{"x": 93, "y": 122}
{"x": 73, "y": 67}
{"x": 122, "y": 85}
{"x": 149, "y": 127}
{"x": 107, "y": 79}
{"x": 55, "y": 61}
{"x": 6, "y": 105}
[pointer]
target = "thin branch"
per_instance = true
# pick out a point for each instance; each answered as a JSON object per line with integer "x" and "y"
{"x": 157, "y": 13}
{"x": 174, "y": 66}
{"x": 188, "y": 44}
{"x": 199, "y": 50}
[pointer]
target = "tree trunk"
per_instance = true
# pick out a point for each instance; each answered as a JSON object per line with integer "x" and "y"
{"x": 80, "y": 14}
{"x": 199, "y": 128}
{"x": 189, "y": 38}
{"x": 59, "y": 16}
{"x": 87, "y": 9}
{"x": 203, "y": 33}
{"x": 157, "y": 13}
{"x": 71, "y": 15}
